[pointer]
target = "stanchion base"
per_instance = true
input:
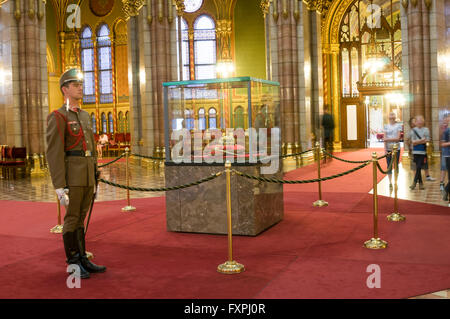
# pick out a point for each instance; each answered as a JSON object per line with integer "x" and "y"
{"x": 128, "y": 209}
{"x": 395, "y": 217}
{"x": 375, "y": 243}
{"x": 230, "y": 267}
{"x": 57, "y": 229}
{"x": 89, "y": 255}
{"x": 320, "y": 203}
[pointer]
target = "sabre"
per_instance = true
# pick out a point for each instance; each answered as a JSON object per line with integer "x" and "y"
{"x": 97, "y": 175}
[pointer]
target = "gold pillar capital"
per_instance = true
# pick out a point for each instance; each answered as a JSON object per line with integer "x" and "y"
{"x": 265, "y": 6}
{"x": 179, "y": 4}
{"x": 131, "y": 8}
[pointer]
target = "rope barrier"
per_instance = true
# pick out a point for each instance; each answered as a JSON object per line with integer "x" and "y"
{"x": 161, "y": 158}
{"x": 113, "y": 161}
{"x": 282, "y": 181}
{"x": 389, "y": 168}
{"x": 296, "y": 154}
{"x": 162, "y": 189}
{"x": 352, "y": 162}
{"x": 149, "y": 157}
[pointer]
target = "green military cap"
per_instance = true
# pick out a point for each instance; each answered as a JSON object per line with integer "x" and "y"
{"x": 71, "y": 75}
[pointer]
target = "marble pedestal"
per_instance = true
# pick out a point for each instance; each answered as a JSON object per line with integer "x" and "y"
{"x": 202, "y": 208}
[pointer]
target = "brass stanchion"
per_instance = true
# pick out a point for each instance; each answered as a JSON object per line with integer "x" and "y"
{"x": 36, "y": 171}
{"x": 230, "y": 266}
{"x": 128, "y": 208}
{"x": 319, "y": 202}
{"x": 395, "y": 216}
{"x": 375, "y": 242}
{"x": 59, "y": 227}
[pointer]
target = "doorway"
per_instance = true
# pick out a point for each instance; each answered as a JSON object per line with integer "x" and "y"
{"x": 377, "y": 109}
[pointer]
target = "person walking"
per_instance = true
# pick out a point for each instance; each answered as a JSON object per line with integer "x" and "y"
{"x": 392, "y": 135}
{"x": 73, "y": 168}
{"x": 419, "y": 136}
{"x": 445, "y": 145}
{"x": 328, "y": 130}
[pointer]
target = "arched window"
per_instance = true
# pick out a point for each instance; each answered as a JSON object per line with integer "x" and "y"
{"x": 127, "y": 122}
{"x": 212, "y": 118}
{"x": 104, "y": 64}
{"x": 94, "y": 123}
{"x": 87, "y": 65}
{"x": 104, "y": 124}
{"x": 189, "y": 119}
{"x": 239, "y": 117}
{"x": 204, "y": 47}
{"x": 184, "y": 49}
{"x": 201, "y": 119}
{"x": 111, "y": 122}
{"x": 120, "y": 123}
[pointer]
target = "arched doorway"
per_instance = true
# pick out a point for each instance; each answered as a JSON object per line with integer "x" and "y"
{"x": 363, "y": 46}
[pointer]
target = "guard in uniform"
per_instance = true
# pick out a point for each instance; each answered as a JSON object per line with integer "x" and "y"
{"x": 73, "y": 167}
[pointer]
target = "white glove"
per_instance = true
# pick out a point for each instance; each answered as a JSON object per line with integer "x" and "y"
{"x": 63, "y": 196}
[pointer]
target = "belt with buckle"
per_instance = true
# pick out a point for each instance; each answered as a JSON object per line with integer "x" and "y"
{"x": 79, "y": 153}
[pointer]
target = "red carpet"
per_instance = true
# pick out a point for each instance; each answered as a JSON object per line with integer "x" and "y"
{"x": 312, "y": 253}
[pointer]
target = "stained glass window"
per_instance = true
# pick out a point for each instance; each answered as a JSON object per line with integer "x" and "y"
{"x": 87, "y": 65}
{"x": 201, "y": 119}
{"x": 184, "y": 49}
{"x": 111, "y": 122}
{"x": 204, "y": 48}
{"x": 104, "y": 124}
{"x": 212, "y": 120}
{"x": 94, "y": 123}
{"x": 189, "y": 119}
{"x": 104, "y": 64}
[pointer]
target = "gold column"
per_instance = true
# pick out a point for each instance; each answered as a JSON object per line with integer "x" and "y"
{"x": 334, "y": 50}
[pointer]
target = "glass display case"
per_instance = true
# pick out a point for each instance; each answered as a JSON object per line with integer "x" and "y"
{"x": 221, "y": 119}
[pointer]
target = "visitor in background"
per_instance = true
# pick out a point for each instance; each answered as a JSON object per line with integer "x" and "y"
{"x": 419, "y": 136}
{"x": 392, "y": 135}
{"x": 328, "y": 130}
{"x": 445, "y": 145}
{"x": 442, "y": 130}
{"x": 102, "y": 141}
{"x": 412, "y": 124}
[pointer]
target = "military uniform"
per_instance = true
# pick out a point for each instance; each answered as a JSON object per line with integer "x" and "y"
{"x": 71, "y": 157}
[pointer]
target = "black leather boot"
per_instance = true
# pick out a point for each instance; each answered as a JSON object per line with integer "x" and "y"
{"x": 90, "y": 266}
{"x": 72, "y": 254}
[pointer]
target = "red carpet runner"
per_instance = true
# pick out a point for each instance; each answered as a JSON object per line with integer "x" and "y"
{"x": 312, "y": 253}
